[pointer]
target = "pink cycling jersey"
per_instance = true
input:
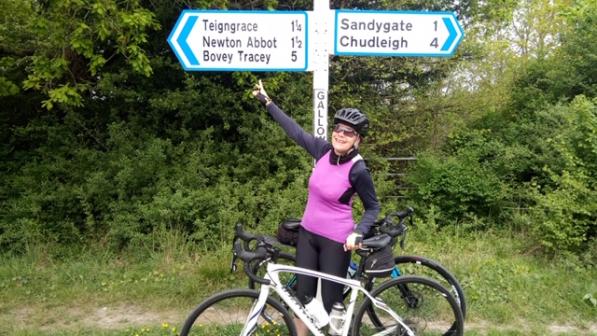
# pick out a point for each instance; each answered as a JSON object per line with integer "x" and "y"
{"x": 324, "y": 214}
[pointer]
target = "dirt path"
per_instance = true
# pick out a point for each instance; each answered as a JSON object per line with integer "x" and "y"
{"x": 115, "y": 317}
{"x": 123, "y": 316}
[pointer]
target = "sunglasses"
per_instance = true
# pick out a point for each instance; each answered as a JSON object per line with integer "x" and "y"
{"x": 347, "y": 131}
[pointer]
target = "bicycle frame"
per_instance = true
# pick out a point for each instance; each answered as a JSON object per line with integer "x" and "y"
{"x": 274, "y": 269}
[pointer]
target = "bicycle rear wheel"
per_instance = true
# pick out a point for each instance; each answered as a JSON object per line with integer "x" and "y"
{"x": 225, "y": 314}
{"x": 422, "y": 303}
{"x": 417, "y": 265}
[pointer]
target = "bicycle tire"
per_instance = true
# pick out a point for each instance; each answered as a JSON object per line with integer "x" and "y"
{"x": 225, "y": 313}
{"x": 429, "y": 309}
{"x": 283, "y": 258}
{"x": 434, "y": 270}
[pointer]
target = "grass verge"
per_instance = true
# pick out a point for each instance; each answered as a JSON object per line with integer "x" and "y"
{"x": 509, "y": 290}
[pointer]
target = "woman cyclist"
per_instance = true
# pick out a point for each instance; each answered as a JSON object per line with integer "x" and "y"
{"x": 327, "y": 232}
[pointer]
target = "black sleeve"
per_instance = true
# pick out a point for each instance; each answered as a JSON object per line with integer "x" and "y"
{"x": 362, "y": 183}
{"x": 315, "y": 146}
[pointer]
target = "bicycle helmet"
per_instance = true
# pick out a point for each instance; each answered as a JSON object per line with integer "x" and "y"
{"x": 353, "y": 117}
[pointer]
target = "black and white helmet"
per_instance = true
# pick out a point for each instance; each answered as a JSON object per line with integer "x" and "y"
{"x": 353, "y": 117}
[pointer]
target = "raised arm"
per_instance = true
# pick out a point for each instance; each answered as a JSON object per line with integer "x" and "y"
{"x": 315, "y": 146}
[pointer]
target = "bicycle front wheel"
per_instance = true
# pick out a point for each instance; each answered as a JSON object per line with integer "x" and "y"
{"x": 425, "y": 306}
{"x": 225, "y": 314}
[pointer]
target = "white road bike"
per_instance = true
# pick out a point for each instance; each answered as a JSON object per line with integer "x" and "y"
{"x": 250, "y": 312}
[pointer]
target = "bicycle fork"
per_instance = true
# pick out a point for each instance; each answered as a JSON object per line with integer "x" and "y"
{"x": 391, "y": 331}
{"x": 411, "y": 300}
{"x": 255, "y": 312}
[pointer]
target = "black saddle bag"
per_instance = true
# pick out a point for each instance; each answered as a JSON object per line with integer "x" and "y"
{"x": 380, "y": 263}
{"x": 288, "y": 231}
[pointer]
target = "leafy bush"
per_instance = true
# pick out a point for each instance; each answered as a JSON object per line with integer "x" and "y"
{"x": 549, "y": 168}
{"x": 565, "y": 213}
{"x": 459, "y": 185}
{"x": 143, "y": 183}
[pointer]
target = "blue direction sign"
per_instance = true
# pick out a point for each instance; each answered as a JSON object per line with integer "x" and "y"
{"x": 396, "y": 33}
{"x": 212, "y": 40}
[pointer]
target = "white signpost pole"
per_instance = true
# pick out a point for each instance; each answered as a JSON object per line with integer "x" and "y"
{"x": 320, "y": 58}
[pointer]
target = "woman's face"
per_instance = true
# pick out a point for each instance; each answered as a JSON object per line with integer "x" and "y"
{"x": 344, "y": 138}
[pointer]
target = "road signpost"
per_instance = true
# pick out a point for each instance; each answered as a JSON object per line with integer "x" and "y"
{"x": 216, "y": 40}
{"x": 212, "y": 40}
{"x": 396, "y": 33}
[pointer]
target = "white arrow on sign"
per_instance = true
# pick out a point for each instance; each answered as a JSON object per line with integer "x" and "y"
{"x": 206, "y": 40}
{"x": 396, "y": 33}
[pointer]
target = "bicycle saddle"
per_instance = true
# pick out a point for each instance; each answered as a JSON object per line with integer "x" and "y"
{"x": 291, "y": 224}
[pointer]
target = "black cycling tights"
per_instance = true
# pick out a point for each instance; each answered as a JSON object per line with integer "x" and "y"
{"x": 318, "y": 253}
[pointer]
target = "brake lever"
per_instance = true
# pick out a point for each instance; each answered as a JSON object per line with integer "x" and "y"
{"x": 233, "y": 262}
{"x": 403, "y": 239}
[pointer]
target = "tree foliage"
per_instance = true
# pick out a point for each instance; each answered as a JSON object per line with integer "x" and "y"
{"x": 106, "y": 139}
{"x": 538, "y": 149}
